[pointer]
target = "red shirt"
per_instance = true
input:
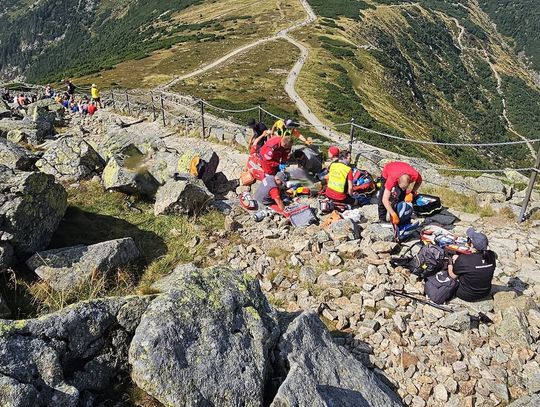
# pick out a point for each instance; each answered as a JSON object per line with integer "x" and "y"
{"x": 393, "y": 171}
{"x": 272, "y": 154}
{"x": 92, "y": 109}
{"x": 339, "y": 196}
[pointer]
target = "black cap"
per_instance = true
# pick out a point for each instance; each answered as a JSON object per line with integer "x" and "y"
{"x": 478, "y": 240}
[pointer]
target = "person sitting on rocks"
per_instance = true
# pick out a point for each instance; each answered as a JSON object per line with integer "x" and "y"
{"x": 259, "y": 137}
{"x": 269, "y": 192}
{"x": 400, "y": 182}
{"x": 288, "y": 128}
{"x": 474, "y": 272}
{"x": 92, "y": 108}
{"x": 274, "y": 154}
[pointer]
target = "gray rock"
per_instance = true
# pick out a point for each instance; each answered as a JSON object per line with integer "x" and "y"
{"x": 118, "y": 140}
{"x": 130, "y": 176}
{"x": 377, "y": 232}
{"x": 185, "y": 196}
{"x": 513, "y": 327}
{"x": 70, "y": 159}
{"x": 13, "y": 156}
{"x": 26, "y": 131}
{"x": 307, "y": 275}
{"x": 344, "y": 230}
{"x": 457, "y": 321}
{"x": 4, "y": 310}
{"x": 46, "y": 110}
{"x": 69, "y": 267}
{"x": 206, "y": 343}
{"x": 6, "y": 255}
{"x": 526, "y": 401}
{"x": 53, "y": 360}
{"x": 320, "y": 373}
{"x": 174, "y": 278}
{"x": 5, "y": 110}
{"x": 31, "y": 207}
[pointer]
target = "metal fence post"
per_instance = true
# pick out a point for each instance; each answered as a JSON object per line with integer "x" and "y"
{"x": 162, "y": 109}
{"x": 202, "y": 120}
{"x": 351, "y": 134}
{"x": 532, "y": 181}
{"x": 153, "y": 106}
{"x": 127, "y": 102}
{"x": 113, "y": 101}
{"x": 260, "y": 113}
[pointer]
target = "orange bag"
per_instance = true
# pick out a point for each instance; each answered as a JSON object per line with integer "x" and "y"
{"x": 246, "y": 179}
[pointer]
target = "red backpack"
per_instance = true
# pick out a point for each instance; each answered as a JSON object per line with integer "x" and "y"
{"x": 363, "y": 182}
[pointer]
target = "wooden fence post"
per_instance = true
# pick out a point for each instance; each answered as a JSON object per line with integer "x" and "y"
{"x": 260, "y": 113}
{"x": 162, "y": 109}
{"x": 532, "y": 181}
{"x": 153, "y": 106}
{"x": 127, "y": 102}
{"x": 113, "y": 101}
{"x": 202, "y": 120}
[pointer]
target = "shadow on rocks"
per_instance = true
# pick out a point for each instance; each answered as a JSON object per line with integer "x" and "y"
{"x": 81, "y": 227}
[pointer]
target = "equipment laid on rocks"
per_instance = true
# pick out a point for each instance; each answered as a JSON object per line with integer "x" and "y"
{"x": 426, "y": 205}
{"x": 429, "y": 260}
{"x": 451, "y": 243}
{"x": 300, "y": 215}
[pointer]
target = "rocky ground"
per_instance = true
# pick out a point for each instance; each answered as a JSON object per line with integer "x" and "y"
{"x": 382, "y": 347}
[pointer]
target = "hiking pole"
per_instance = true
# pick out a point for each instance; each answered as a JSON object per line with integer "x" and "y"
{"x": 420, "y": 300}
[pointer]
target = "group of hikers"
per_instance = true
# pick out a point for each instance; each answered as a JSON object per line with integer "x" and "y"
{"x": 82, "y": 105}
{"x": 465, "y": 270}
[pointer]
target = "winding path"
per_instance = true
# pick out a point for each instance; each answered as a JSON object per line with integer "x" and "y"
{"x": 497, "y": 76}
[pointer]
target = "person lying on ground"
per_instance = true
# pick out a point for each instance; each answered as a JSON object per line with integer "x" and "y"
{"x": 275, "y": 154}
{"x": 474, "y": 272}
{"x": 259, "y": 137}
{"x": 269, "y": 193}
{"x": 308, "y": 160}
{"x": 400, "y": 182}
{"x": 288, "y": 128}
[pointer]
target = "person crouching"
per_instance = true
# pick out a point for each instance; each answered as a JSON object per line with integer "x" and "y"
{"x": 269, "y": 192}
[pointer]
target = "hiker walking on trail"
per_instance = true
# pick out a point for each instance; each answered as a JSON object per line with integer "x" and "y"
{"x": 96, "y": 97}
{"x": 274, "y": 154}
{"x": 289, "y": 128}
{"x": 259, "y": 137}
{"x": 400, "y": 182}
{"x": 270, "y": 191}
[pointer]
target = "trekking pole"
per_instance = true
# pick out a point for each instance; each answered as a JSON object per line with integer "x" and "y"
{"x": 351, "y": 140}
{"x": 532, "y": 181}
{"x": 153, "y": 106}
{"x": 202, "y": 120}
{"x": 420, "y": 300}
{"x": 162, "y": 109}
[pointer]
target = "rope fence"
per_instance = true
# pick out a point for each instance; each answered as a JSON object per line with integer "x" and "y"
{"x": 154, "y": 103}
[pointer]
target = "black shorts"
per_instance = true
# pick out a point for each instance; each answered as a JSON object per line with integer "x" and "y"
{"x": 97, "y": 100}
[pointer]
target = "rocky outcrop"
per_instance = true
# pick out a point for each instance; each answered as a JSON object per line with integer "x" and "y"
{"x": 68, "y": 268}
{"x": 46, "y": 110}
{"x": 69, "y": 358}
{"x": 70, "y": 159}
{"x": 13, "y": 156}
{"x": 31, "y": 207}
{"x": 129, "y": 175}
{"x": 5, "y": 110}
{"x": 187, "y": 195}
{"x": 320, "y": 373}
{"x": 23, "y": 131}
{"x": 221, "y": 329}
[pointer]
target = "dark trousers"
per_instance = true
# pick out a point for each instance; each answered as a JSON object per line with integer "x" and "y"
{"x": 396, "y": 196}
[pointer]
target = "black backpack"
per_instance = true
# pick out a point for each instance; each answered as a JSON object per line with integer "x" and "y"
{"x": 427, "y": 262}
{"x": 426, "y": 205}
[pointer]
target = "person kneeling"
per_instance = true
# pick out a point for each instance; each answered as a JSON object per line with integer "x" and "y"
{"x": 269, "y": 193}
{"x": 339, "y": 186}
{"x": 469, "y": 276}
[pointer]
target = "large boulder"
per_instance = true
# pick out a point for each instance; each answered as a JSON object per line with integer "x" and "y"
{"x": 207, "y": 342}
{"x": 320, "y": 373}
{"x": 69, "y": 267}
{"x": 46, "y": 110}
{"x": 5, "y": 110}
{"x": 31, "y": 208}
{"x": 130, "y": 175}
{"x": 69, "y": 357}
{"x": 4, "y": 310}
{"x": 70, "y": 159}
{"x": 22, "y": 131}
{"x": 187, "y": 195}
{"x": 14, "y": 156}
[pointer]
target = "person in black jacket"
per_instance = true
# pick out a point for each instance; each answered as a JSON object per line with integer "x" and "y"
{"x": 474, "y": 272}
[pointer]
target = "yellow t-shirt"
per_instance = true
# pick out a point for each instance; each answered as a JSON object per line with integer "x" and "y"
{"x": 95, "y": 93}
